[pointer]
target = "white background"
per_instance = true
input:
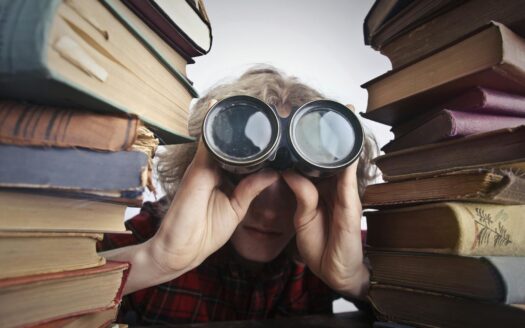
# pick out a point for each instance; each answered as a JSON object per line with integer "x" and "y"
{"x": 319, "y": 41}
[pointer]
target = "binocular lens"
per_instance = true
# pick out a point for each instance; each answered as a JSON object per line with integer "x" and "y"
{"x": 324, "y": 137}
{"x": 239, "y": 133}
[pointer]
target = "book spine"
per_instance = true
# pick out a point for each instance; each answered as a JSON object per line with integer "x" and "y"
{"x": 509, "y": 270}
{"x": 24, "y": 27}
{"x": 72, "y": 169}
{"x": 29, "y": 124}
{"x": 490, "y": 230}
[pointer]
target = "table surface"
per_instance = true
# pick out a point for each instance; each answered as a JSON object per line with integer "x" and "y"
{"x": 355, "y": 319}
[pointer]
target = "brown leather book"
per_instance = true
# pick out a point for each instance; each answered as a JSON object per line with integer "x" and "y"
{"x": 426, "y": 309}
{"x": 491, "y": 57}
{"x": 36, "y": 125}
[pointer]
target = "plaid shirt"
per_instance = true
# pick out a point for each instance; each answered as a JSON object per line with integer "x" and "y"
{"x": 220, "y": 288}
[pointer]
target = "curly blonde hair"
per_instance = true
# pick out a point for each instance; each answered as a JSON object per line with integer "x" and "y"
{"x": 271, "y": 86}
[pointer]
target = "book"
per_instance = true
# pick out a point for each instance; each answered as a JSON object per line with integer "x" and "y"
{"x": 101, "y": 319}
{"x": 500, "y": 148}
{"x": 83, "y": 62}
{"x": 168, "y": 56}
{"x": 381, "y": 12}
{"x": 472, "y": 229}
{"x": 449, "y": 124}
{"x": 38, "y": 299}
{"x": 491, "y": 57}
{"x": 476, "y": 100}
{"x": 181, "y": 24}
{"x": 36, "y": 125}
{"x": 427, "y": 309}
{"x": 495, "y": 279}
{"x": 28, "y": 253}
{"x": 114, "y": 176}
{"x": 415, "y": 14}
{"x": 31, "y": 211}
{"x": 487, "y": 186}
{"x": 426, "y": 37}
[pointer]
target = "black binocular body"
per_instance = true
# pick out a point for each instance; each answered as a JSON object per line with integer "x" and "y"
{"x": 320, "y": 138}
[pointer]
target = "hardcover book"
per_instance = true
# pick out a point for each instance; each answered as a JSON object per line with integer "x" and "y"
{"x": 494, "y": 279}
{"x": 429, "y": 36}
{"x": 56, "y": 52}
{"x": 115, "y": 176}
{"x": 450, "y": 228}
{"x": 182, "y": 24}
{"x": 38, "y": 299}
{"x": 100, "y": 319}
{"x": 31, "y": 211}
{"x": 35, "y": 125}
{"x": 28, "y": 253}
{"x": 450, "y": 124}
{"x": 478, "y": 100}
{"x": 400, "y": 94}
{"x": 487, "y": 186}
{"x": 426, "y": 309}
{"x": 500, "y": 148}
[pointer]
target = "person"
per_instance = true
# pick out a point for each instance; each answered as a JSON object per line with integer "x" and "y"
{"x": 273, "y": 244}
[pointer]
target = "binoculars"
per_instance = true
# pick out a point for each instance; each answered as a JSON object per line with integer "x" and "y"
{"x": 244, "y": 134}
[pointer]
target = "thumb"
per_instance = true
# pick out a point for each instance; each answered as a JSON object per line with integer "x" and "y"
{"x": 248, "y": 188}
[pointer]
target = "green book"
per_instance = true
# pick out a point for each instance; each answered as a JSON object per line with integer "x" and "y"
{"x": 81, "y": 54}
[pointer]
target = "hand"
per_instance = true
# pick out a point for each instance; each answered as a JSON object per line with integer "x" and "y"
{"x": 201, "y": 217}
{"x": 328, "y": 226}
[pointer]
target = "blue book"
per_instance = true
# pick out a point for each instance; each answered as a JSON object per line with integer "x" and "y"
{"x": 115, "y": 176}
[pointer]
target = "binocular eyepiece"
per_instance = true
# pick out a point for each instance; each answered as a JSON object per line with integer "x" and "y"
{"x": 244, "y": 134}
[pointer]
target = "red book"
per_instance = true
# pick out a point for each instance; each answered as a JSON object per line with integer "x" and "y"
{"x": 37, "y": 299}
{"x": 450, "y": 124}
{"x": 182, "y": 24}
{"x": 478, "y": 99}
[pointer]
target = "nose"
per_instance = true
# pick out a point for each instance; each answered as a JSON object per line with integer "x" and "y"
{"x": 267, "y": 214}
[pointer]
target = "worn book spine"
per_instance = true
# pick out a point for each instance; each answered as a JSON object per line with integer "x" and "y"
{"x": 35, "y": 125}
{"x": 72, "y": 169}
{"x": 477, "y": 100}
{"x": 450, "y": 124}
{"x": 489, "y": 149}
{"x": 475, "y": 229}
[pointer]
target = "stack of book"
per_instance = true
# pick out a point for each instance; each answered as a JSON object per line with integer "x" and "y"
{"x": 82, "y": 84}
{"x": 446, "y": 231}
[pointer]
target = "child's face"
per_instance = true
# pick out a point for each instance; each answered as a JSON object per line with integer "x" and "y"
{"x": 268, "y": 226}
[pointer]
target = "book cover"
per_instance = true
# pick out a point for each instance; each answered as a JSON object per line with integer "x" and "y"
{"x": 495, "y": 279}
{"x": 500, "y": 148}
{"x": 429, "y": 36}
{"x": 36, "y": 125}
{"x": 28, "y": 253}
{"x": 33, "y": 211}
{"x": 449, "y": 125}
{"x": 399, "y": 95}
{"x": 55, "y": 52}
{"x": 38, "y": 299}
{"x": 427, "y": 309}
{"x": 113, "y": 175}
{"x": 487, "y": 186}
{"x": 101, "y": 319}
{"x": 180, "y": 24}
{"x": 476, "y": 100}
{"x": 475, "y": 229}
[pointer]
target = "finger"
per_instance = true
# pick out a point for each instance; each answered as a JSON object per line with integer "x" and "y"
{"x": 351, "y": 107}
{"x": 203, "y": 172}
{"x": 248, "y": 188}
{"x": 306, "y": 196}
{"x": 347, "y": 187}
